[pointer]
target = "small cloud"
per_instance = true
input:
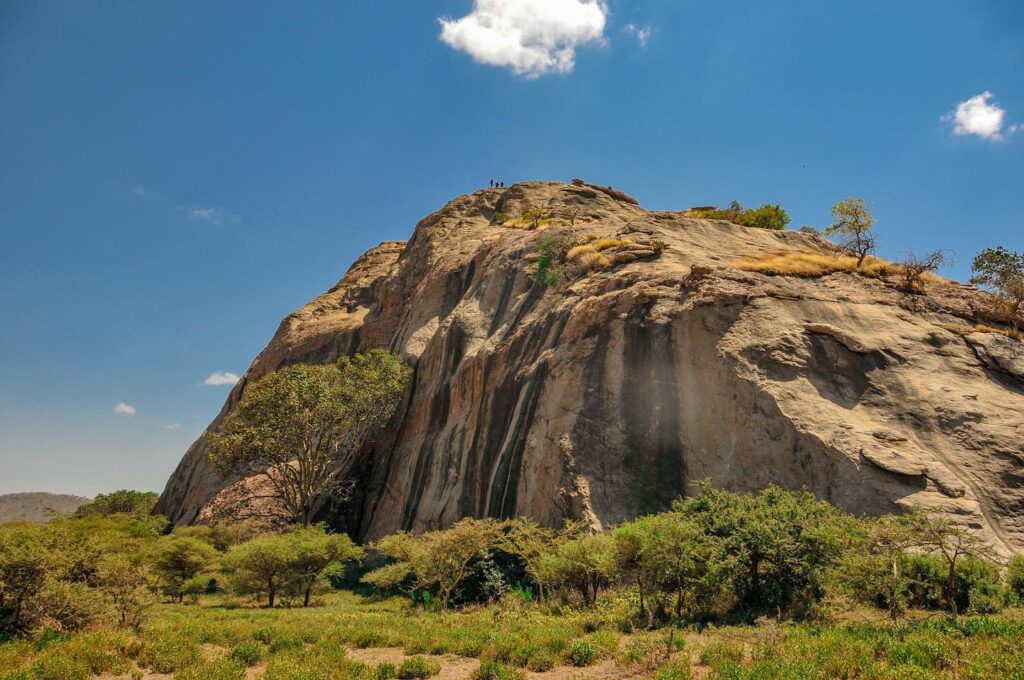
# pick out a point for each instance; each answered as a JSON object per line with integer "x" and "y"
{"x": 531, "y": 37}
{"x": 217, "y": 216}
{"x": 641, "y": 33}
{"x": 124, "y": 409}
{"x": 979, "y": 116}
{"x": 218, "y": 378}
{"x": 172, "y": 426}
{"x": 140, "y": 191}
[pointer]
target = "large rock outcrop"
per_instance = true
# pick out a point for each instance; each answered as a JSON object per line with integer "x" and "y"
{"x": 608, "y": 395}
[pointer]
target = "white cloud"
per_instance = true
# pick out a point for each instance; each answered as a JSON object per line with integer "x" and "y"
{"x": 172, "y": 426}
{"x": 216, "y": 216}
{"x": 218, "y": 378}
{"x": 641, "y": 33}
{"x": 124, "y": 409}
{"x": 531, "y": 37}
{"x": 979, "y": 116}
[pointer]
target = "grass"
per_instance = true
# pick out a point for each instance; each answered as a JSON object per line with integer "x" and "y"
{"x": 812, "y": 265}
{"x": 219, "y": 639}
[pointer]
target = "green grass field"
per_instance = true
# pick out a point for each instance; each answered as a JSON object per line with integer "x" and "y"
{"x": 349, "y": 636}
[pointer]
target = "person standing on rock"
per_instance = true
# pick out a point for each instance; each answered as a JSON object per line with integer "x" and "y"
{"x": 492, "y": 183}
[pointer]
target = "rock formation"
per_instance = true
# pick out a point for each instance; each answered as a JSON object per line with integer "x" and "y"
{"x": 609, "y": 394}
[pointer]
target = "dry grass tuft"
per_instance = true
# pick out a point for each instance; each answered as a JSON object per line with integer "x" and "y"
{"x": 797, "y": 263}
{"x": 812, "y": 265}
{"x": 962, "y": 329}
{"x": 594, "y": 260}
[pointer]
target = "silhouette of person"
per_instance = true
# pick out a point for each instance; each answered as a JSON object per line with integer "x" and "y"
{"x": 492, "y": 182}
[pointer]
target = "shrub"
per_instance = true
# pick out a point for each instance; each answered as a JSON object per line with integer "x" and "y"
{"x": 580, "y": 653}
{"x": 547, "y": 271}
{"x": 768, "y": 216}
{"x": 1015, "y": 576}
{"x": 674, "y": 670}
{"x": 494, "y": 670}
{"x": 219, "y": 669}
{"x": 247, "y": 652}
{"x": 385, "y": 671}
{"x": 418, "y": 667}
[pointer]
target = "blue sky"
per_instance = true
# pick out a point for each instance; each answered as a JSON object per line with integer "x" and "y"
{"x": 176, "y": 177}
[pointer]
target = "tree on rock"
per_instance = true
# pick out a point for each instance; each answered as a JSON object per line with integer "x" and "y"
{"x": 301, "y": 426}
{"x": 854, "y": 226}
{"x": 1001, "y": 271}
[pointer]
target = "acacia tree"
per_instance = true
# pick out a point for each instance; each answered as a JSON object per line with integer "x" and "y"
{"x": 177, "y": 559}
{"x": 585, "y": 564}
{"x": 1001, "y": 271}
{"x": 876, "y": 566}
{"x": 669, "y": 554}
{"x": 853, "y": 225}
{"x": 436, "y": 560}
{"x": 318, "y": 554}
{"x": 951, "y": 542}
{"x": 301, "y": 426}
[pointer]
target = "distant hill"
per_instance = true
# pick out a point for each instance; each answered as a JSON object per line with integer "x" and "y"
{"x": 32, "y": 506}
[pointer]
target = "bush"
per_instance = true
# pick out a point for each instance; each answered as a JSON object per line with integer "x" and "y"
{"x": 418, "y": 667}
{"x": 1015, "y": 576}
{"x": 494, "y": 670}
{"x": 385, "y": 671}
{"x": 248, "y": 652}
{"x": 220, "y": 669}
{"x": 674, "y": 670}
{"x": 768, "y": 216}
{"x": 580, "y": 653}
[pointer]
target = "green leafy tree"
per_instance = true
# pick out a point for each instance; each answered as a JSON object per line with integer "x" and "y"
{"x": 263, "y": 566}
{"x": 125, "y": 501}
{"x": 176, "y": 559}
{"x": 46, "y": 578}
{"x": 126, "y": 582}
{"x": 530, "y": 542}
{"x": 853, "y": 226}
{"x": 301, "y": 426}
{"x": 586, "y": 564}
{"x": 318, "y": 555}
{"x": 876, "y": 569}
{"x": 775, "y": 548}
{"x": 670, "y": 555}
{"x": 768, "y": 216}
{"x": 437, "y": 560}
{"x": 952, "y": 542}
{"x": 1001, "y": 271}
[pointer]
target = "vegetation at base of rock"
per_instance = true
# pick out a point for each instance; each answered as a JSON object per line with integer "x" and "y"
{"x": 299, "y": 427}
{"x": 768, "y": 216}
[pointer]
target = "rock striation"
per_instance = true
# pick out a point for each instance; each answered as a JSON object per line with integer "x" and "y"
{"x": 609, "y": 394}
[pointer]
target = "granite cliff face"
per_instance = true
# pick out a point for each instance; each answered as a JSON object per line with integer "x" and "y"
{"x": 608, "y": 395}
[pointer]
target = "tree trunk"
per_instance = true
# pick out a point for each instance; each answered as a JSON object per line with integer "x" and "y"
{"x": 305, "y": 597}
{"x": 951, "y": 588}
{"x": 271, "y": 591}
